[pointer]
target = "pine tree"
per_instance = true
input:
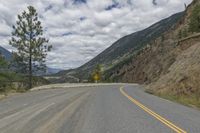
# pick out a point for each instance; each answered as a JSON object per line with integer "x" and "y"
{"x": 3, "y": 63}
{"x": 32, "y": 47}
{"x": 185, "y": 6}
{"x": 180, "y": 34}
{"x": 194, "y": 25}
{"x": 185, "y": 32}
{"x": 162, "y": 38}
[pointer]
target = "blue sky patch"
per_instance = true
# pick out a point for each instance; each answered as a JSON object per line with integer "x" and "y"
{"x": 155, "y": 2}
{"x": 114, "y": 5}
{"x": 67, "y": 34}
{"x": 82, "y": 18}
{"x": 80, "y": 1}
{"x": 49, "y": 7}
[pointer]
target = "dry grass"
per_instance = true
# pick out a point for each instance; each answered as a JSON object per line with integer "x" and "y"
{"x": 2, "y": 96}
{"x": 191, "y": 101}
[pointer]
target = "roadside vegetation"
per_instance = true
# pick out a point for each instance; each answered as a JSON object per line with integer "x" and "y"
{"x": 192, "y": 100}
{"x": 97, "y": 74}
{"x": 194, "y": 24}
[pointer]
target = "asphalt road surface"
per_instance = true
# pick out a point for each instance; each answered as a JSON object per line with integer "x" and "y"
{"x": 100, "y": 109}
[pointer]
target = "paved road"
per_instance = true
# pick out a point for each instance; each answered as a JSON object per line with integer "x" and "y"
{"x": 100, "y": 109}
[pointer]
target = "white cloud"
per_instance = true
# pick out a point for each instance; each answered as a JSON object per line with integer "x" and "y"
{"x": 78, "y": 32}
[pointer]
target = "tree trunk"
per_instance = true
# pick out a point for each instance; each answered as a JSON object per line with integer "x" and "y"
{"x": 30, "y": 55}
{"x": 30, "y": 70}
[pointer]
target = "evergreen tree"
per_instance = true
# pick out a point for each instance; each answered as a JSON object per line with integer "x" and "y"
{"x": 162, "y": 38}
{"x": 32, "y": 48}
{"x": 194, "y": 25}
{"x": 180, "y": 34}
{"x": 185, "y": 6}
{"x": 3, "y": 63}
{"x": 185, "y": 33}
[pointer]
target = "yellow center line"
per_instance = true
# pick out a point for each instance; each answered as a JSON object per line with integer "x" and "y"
{"x": 152, "y": 113}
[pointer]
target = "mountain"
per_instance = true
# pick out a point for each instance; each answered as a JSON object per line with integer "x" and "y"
{"x": 52, "y": 70}
{"x": 154, "y": 60}
{"x": 164, "y": 57}
{"x": 49, "y": 71}
{"x": 170, "y": 65}
{"x": 124, "y": 48}
{"x": 5, "y": 53}
{"x": 8, "y": 57}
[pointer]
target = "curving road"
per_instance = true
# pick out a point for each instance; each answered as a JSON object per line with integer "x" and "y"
{"x": 100, "y": 109}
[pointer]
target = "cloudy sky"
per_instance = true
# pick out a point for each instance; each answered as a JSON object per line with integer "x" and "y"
{"x": 81, "y": 29}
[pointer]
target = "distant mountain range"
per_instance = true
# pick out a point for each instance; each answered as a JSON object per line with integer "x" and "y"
{"x": 52, "y": 70}
{"x": 5, "y": 53}
{"x": 8, "y": 57}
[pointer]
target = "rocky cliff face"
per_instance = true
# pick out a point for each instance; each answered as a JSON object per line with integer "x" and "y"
{"x": 183, "y": 75}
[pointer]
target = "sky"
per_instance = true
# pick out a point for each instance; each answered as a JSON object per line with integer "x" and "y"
{"x": 79, "y": 30}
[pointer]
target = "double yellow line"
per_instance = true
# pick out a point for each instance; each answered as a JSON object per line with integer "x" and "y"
{"x": 157, "y": 116}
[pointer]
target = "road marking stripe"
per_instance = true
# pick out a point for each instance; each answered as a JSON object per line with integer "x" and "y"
{"x": 158, "y": 117}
